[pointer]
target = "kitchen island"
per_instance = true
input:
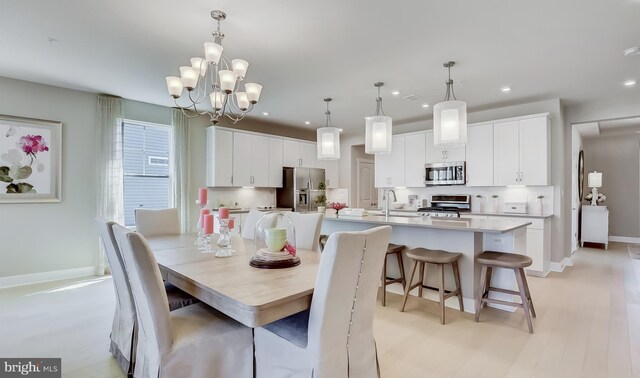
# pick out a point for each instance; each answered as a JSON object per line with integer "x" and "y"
{"x": 468, "y": 236}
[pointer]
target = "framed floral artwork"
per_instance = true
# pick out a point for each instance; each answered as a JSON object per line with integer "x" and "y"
{"x": 30, "y": 160}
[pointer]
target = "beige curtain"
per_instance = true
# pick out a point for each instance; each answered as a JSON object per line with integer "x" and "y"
{"x": 180, "y": 167}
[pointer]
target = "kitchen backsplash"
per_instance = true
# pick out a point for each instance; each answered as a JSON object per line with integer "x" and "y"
{"x": 241, "y": 197}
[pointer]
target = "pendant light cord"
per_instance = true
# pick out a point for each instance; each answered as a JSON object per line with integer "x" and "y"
{"x": 328, "y": 113}
{"x": 450, "y": 91}
{"x": 379, "y": 108}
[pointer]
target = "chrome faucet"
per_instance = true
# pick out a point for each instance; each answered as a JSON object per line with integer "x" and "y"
{"x": 385, "y": 196}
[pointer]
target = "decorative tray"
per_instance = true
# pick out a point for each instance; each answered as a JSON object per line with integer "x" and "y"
{"x": 266, "y": 259}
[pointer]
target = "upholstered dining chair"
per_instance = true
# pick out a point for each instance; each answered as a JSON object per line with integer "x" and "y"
{"x": 307, "y": 228}
{"x": 250, "y": 223}
{"x": 194, "y": 341}
{"x": 152, "y": 222}
{"x": 335, "y": 337}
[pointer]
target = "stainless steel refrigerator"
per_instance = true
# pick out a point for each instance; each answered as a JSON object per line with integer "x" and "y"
{"x": 300, "y": 189}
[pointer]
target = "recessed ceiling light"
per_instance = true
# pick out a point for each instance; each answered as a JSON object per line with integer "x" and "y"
{"x": 307, "y": 122}
{"x": 425, "y": 105}
{"x": 632, "y": 51}
{"x": 340, "y": 130}
{"x": 265, "y": 113}
{"x": 629, "y": 83}
{"x": 395, "y": 93}
{"x": 505, "y": 89}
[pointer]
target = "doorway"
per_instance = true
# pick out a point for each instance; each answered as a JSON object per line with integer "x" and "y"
{"x": 367, "y": 195}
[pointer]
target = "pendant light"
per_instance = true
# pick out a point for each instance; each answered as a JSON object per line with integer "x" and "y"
{"x": 328, "y": 143}
{"x": 378, "y": 129}
{"x": 450, "y": 118}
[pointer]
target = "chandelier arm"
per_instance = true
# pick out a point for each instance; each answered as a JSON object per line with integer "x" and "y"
{"x": 184, "y": 110}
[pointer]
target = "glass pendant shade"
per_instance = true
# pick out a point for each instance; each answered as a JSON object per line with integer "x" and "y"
{"x": 227, "y": 80}
{"x": 450, "y": 123}
{"x": 212, "y": 52}
{"x": 200, "y": 65}
{"x": 189, "y": 76}
{"x": 174, "y": 85}
{"x": 243, "y": 101}
{"x": 240, "y": 67}
{"x": 253, "y": 92}
{"x": 217, "y": 100}
{"x": 378, "y": 135}
{"x": 328, "y": 143}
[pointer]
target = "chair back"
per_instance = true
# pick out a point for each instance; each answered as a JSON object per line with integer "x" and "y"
{"x": 248, "y": 230}
{"x": 155, "y": 336}
{"x": 341, "y": 316}
{"x": 125, "y": 316}
{"x": 307, "y": 230}
{"x": 151, "y": 222}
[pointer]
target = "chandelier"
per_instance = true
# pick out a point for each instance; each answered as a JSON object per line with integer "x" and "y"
{"x": 217, "y": 79}
{"x": 328, "y": 138}
{"x": 450, "y": 117}
{"x": 378, "y": 129}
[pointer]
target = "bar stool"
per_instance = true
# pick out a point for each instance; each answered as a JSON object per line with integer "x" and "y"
{"x": 422, "y": 256}
{"x": 397, "y": 250}
{"x": 514, "y": 261}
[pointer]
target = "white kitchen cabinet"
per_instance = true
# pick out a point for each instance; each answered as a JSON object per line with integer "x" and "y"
{"x": 276, "y": 149}
{"x": 250, "y": 160}
{"x": 521, "y": 152}
{"x": 437, "y": 154}
{"x": 259, "y": 161}
{"x": 595, "y": 225}
{"x": 479, "y": 155}
{"x": 390, "y": 168}
{"x": 331, "y": 172}
{"x": 219, "y": 155}
{"x": 382, "y": 166}
{"x": 415, "y": 155}
{"x": 299, "y": 154}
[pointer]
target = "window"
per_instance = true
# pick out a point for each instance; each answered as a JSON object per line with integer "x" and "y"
{"x": 147, "y": 182}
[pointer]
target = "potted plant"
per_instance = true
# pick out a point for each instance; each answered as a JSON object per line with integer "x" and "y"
{"x": 477, "y": 204}
{"x": 321, "y": 201}
{"x": 322, "y": 186}
{"x": 538, "y": 208}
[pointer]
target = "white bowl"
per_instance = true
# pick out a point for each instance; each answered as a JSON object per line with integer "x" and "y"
{"x": 397, "y": 205}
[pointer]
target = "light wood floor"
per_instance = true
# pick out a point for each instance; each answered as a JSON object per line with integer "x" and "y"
{"x": 588, "y": 325}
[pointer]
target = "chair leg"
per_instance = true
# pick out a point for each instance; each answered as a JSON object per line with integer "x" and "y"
{"x": 456, "y": 277}
{"x": 422, "y": 266}
{"x": 384, "y": 282}
{"x": 487, "y": 284}
{"x": 525, "y": 300}
{"x": 401, "y": 267}
{"x": 409, "y": 286}
{"x": 526, "y": 290}
{"x": 480, "y": 291}
{"x": 441, "y": 291}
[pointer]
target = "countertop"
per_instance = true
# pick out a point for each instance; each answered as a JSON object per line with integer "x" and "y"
{"x": 246, "y": 210}
{"x": 462, "y": 214}
{"x": 460, "y": 224}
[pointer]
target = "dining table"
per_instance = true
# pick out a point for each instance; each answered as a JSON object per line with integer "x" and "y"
{"x": 252, "y": 296}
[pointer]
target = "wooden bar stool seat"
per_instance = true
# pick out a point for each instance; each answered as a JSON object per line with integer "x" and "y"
{"x": 514, "y": 261}
{"x": 397, "y": 250}
{"x": 423, "y": 256}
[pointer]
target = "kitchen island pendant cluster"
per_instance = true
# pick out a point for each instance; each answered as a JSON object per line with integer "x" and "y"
{"x": 328, "y": 138}
{"x": 217, "y": 79}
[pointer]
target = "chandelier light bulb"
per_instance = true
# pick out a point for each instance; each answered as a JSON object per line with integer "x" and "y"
{"x": 174, "y": 85}
{"x": 212, "y": 52}
{"x": 217, "y": 100}
{"x": 253, "y": 92}
{"x": 189, "y": 76}
{"x": 240, "y": 67}
{"x": 200, "y": 65}
{"x": 227, "y": 80}
{"x": 243, "y": 101}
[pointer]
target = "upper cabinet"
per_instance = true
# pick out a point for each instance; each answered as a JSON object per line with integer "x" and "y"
{"x": 250, "y": 160}
{"x": 331, "y": 172}
{"x": 299, "y": 154}
{"x": 390, "y": 168}
{"x": 480, "y": 155}
{"x": 276, "y": 150}
{"x": 219, "y": 157}
{"x": 415, "y": 155}
{"x": 437, "y": 154}
{"x": 521, "y": 151}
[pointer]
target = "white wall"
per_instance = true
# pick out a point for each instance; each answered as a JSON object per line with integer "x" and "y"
{"x": 43, "y": 237}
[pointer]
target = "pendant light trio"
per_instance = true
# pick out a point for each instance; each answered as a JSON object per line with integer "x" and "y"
{"x": 449, "y": 125}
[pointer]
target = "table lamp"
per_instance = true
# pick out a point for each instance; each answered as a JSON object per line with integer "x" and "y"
{"x": 595, "y": 182}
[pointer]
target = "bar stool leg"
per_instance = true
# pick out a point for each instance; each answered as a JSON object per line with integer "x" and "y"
{"x": 441, "y": 291}
{"x": 384, "y": 281}
{"x": 527, "y": 292}
{"x": 456, "y": 277}
{"x": 525, "y": 300}
{"x": 409, "y": 286}
{"x": 487, "y": 286}
{"x": 421, "y": 279}
{"x": 401, "y": 267}
{"x": 480, "y": 291}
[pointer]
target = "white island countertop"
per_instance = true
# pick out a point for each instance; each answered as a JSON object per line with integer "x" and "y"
{"x": 498, "y": 226}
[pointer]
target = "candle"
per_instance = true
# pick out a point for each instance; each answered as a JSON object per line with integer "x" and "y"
{"x": 202, "y": 196}
{"x": 202, "y": 214}
{"x": 208, "y": 224}
{"x": 223, "y": 213}
{"x": 232, "y": 223}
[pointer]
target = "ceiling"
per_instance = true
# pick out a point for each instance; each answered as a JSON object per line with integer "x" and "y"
{"x": 303, "y": 51}
{"x": 617, "y": 127}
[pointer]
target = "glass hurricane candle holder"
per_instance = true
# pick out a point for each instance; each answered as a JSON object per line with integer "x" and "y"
{"x": 224, "y": 241}
{"x": 274, "y": 237}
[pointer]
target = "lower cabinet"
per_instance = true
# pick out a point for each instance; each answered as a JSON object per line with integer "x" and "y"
{"x": 595, "y": 225}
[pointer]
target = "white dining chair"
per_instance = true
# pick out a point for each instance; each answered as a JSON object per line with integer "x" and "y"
{"x": 157, "y": 222}
{"x": 194, "y": 341}
{"x": 307, "y": 228}
{"x": 335, "y": 337}
{"x": 250, "y": 223}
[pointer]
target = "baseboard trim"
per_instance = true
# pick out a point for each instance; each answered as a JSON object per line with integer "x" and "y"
{"x": 33, "y": 278}
{"x": 559, "y": 266}
{"x": 624, "y": 239}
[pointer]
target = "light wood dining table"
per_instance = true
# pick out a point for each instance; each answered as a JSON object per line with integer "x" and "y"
{"x": 252, "y": 296}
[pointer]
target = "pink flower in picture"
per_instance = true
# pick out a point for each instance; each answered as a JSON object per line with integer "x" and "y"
{"x": 32, "y": 144}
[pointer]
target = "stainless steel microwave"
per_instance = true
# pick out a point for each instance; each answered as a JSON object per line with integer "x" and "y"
{"x": 447, "y": 173}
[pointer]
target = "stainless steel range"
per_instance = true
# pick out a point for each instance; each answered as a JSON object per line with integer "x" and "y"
{"x": 447, "y": 206}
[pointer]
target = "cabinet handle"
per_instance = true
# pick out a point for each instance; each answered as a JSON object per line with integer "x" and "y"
{"x": 520, "y": 176}
{"x": 517, "y": 177}
{"x": 446, "y": 155}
